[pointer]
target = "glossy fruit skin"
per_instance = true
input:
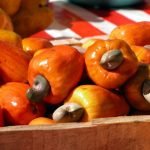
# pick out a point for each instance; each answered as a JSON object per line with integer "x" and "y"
{"x": 31, "y": 44}
{"x": 133, "y": 89}
{"x": 6, "y": 22}
{"x": 98, "y": 102}
{"x": 62, "y": 66}
{"x": 142, "y": 53}
{"x": 1, "y": 118}
{"x": 41, "y": 121}
{"x": 16, "y": 107}
{"x": 105, "y": 78}
{"x": 14, "y": 63}
{"x": 133, "y": 34}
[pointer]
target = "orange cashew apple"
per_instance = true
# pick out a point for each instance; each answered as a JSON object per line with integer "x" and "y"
{"x": 13, "y": 63}
{"x": 53, "y": 73}
{"x": 136, "y": 35}
{"x": 87, "y": 102}
{"x": 11, "y": 37}
{"x": 10, "y": 6}
{"x": 32, "y": 17}
{"x": 142, "y": 53}
{"x": 16, "y": 107}
{"x": 31, "y": 44}
{"x": 5, "y": 21}
{"x": 41, "y": 121}
{"x": 110, "y": 63}
{"x": 137, "y": 89}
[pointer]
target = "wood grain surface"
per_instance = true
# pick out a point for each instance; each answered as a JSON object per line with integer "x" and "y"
{"x": 116, "y": 133}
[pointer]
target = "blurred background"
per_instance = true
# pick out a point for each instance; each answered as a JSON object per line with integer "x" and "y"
{"x": 54, "y": 19}
{"x": 86, "y": 18}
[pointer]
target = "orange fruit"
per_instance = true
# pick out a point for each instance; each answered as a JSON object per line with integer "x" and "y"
{"x": 16, "y": 107}
{"x": 5, "y": 21}
{"x": 41, "y": 121}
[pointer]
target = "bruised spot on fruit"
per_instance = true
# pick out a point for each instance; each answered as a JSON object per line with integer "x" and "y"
{"x": 146, "y": 90}
{"x": 69, "y": 112}
{"x": 111, "y": 59}
{"x": 39, "y": 90}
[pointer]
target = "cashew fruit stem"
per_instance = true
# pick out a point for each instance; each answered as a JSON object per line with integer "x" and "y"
{"x": 146, "y": 90}
{"x": 69, "y": 112}
{"x": 111, "y": 59}
{"x": 39, "y": 90}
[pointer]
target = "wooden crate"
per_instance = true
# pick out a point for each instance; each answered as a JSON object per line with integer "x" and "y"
{"x": 116, "y": 133}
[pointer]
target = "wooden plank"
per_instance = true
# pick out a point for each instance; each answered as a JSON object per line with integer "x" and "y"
{"x": 116, "y": 133}
{"x": 124, "y": 133}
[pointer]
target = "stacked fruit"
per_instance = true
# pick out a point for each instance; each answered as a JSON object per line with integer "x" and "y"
{"x": 46, "y": 84}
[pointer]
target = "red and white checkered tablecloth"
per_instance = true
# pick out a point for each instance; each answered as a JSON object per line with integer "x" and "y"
{"x": 73, "y": 21}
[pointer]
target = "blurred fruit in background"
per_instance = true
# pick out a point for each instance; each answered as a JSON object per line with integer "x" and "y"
{"x": 127, "y": 33}
{"x": 33, "y": 4}
{"x": 10, "y": 6}
{"x": 136, "y": 35}
{"x": 33, "y": 16}
{"x": 5, "y": 21}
